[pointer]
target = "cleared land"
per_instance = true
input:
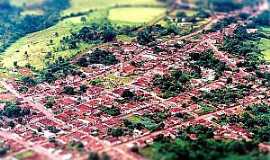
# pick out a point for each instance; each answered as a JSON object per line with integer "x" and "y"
{"x": 26, "y": 3}
{"x": 135, "y": 15}
{"x": 265, "y": 46}
{"x": 265, "y": 43}
{"x": 86, "y": 5}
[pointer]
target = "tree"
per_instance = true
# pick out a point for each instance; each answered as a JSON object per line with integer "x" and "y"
{"x": 144, "y": 37}
{"x": 224, "y": 5}
{"x": 117, "y": 132}
{"x": 113, "y": 111}
{"x": 3, "y": 150}
{"x": 15, "y": 64}
{"x": 50, "y": 101}
{"x": 263, "y": 18}
{"x": 83, "y": 19}
{"x": 83, "y": 88}
{"x": 109, "y": 34}
{"x": 11, "y": 124}
{"x": 53, "y": 129}
{"x": 127, "y": 94}
{"x": 93, "y": 156}
{"x": 69, "y": 90}
{"x": 98, "y": 56}
{"x": 105, "y": 156}
{"x": 28, "y": 81}
{"x": 13, "y": 111}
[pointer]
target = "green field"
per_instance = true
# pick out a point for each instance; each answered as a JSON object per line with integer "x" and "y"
{"x": 135, "y": 15}
{"x": 265, "y": 43}
{"x": 38, "y": 44}
{"x": 25, "y": 155}
{"x": 27, "y": 6}
{"x": 22, "y": 3}
{"x": 86, "y": 5}
{"x": 265, "y": 46}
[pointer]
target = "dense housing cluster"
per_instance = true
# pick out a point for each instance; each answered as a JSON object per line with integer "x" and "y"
{"x": 180, "y": 88}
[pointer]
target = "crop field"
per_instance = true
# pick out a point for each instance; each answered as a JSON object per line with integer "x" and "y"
{"x": 135, "y": 15}
{"x": 265, "y": 43}
{"x": 86, "y": 5}
{"x": 21, "y": 3}
{"x": 265, "y": 46}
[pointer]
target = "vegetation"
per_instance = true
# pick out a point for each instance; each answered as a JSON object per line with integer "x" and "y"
{"x": 203, "y": 147}
{"x": 39, "y": 44}
{"x": 98, "y": 56}
{"x": 14, "y": 26}
{"x": 94, "y": 33}
{"x": 82, "y": 6}
{"x": 226, "y": 95}
{"x": 151, "y": 121}
{"x": 242, "y": 44}
{"x": 224, "y": 5}
{"x": 262, "y": 19}
{"x": 207, "y": 60}
{"x": 50, "y": 101}
{"x": 96, "y": 156}
{"x": 116, "y": 132}
{"x": 265, "y": 76}
{"x": 69, "y": 90}
{"x": 150, "y": 33}
{"x": 172, "y": 85}
{"x": 134, "y": 15}
{"x": 14, "y": 111}
{"x": 3, "y": 149}
{"x": 223, "y": 23}
{"x": 78, "y": 145}
{"x": 59, "y": 69}
{"x": 112, "y": 111}
{"x": 255, "y": 118}
{"x": 28, "y": 81}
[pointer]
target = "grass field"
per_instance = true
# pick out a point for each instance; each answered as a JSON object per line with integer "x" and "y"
{"x": 265, "y": 43}
{"x": 86, "y": 5}
{"x": 265, "y": 46}
{"x": 38, "y": 44}
{"x": 135, "y": 15}
{"x": 25, "y": 155}
{"x": 25, "y": 3}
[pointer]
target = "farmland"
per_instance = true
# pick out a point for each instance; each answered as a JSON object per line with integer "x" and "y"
{"x": 38, "y": 44}
{"x": 265, "y": 43}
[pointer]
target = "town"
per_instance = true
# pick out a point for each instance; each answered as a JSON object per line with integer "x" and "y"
{"x": 120, "y": 100}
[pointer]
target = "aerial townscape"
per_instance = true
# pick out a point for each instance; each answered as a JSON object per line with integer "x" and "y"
{"x": 134, "y": 80}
